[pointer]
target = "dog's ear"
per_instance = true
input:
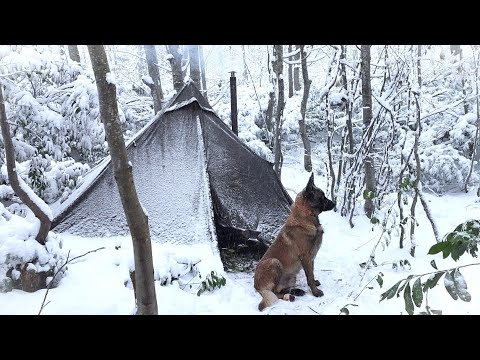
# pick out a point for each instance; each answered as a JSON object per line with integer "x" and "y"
{"x": 309, "y": 187}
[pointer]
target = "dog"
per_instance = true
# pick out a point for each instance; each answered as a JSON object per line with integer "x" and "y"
{"x": 294, "y": 248}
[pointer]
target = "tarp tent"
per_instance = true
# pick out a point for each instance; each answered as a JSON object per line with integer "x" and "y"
{"x": 194, "y": 177}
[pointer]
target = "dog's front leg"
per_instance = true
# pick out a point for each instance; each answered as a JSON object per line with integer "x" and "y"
{"x": 307, "y": 263}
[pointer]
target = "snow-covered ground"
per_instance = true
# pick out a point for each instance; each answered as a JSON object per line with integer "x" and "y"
{"x": 98, "y": 282}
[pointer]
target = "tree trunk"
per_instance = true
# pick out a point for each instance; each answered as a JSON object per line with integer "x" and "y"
{"x": 176, "y": 64}
{"x": 290, "y": 73}
{"x": 367, "y": 118}
{"x": 156, "y": 87}
{"x": 428, "y": 212}
{"x": 245, "y": 68}
{"x": 194, "y": 65}
{"x": 348, "y": 108}
{"x": 307, "y": 155}
{"x": 418, "y": 131}
{"x": 270, "y": 107}
{"x": 39, "y": 208}
{"x": 136, "y": 218}
{"x": 202, "y": 69}
{"x": 140, "y": 65}
{"x": 277, "y": 66}
{"x": 475, "y": 141}
{"x": 296, "y": 70}
{"x": 74, "y": 53}
{"x": 457, "y": 50}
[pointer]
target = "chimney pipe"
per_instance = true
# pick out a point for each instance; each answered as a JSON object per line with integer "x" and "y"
{"x": 233, "y": 100}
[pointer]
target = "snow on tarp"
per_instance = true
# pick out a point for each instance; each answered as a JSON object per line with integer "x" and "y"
{"x": 188, "y": 168}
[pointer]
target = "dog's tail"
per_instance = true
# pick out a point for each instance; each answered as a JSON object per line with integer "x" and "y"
{"x": 269, "y": 298}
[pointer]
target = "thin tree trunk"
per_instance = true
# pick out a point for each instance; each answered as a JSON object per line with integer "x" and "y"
{"x": 202, "y": 69}
{"x": 245, "y": 68}
{"x": 194, "y": 65}
{"x": 348, "y": 109}
{"x": 136, "y": 218}
{"x": 296, "y": 71}
{"x": 307, "y": 155}
{"x": 346, "y": 131}
{"x": 428, "y": 212}
{"x": 156, "y": 87}
{"x": 456, "y": 49}
{"x": 74, "y": 53}
{"x": 403, "y": 221}
{"x": 418, "y": 131}
{"x": 329, "y": 147}
{"x": 138, "y": 49}
{"x": 185, "y": 60}
{"x": 290, "y": 73}
{"x": 41, "y": 210}
{"x": 277, "y": 66}
{"x": 270, "y": 107}
{"x": 176, "y": 63}
{"x": 369, "y": 206}
{"x": 341, "y": 167}
{"x": 475, "y": 141}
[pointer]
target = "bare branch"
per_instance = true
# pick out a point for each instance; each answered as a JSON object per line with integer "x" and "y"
{"x": 68, "y": 261}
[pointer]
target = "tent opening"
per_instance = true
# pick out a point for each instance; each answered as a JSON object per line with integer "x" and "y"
{"x": 240, "y": 250}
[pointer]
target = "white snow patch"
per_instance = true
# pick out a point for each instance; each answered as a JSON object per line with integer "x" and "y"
{"x": 34, "y": 197}
{"x": 111, "y": 78}
{"x": 147, "y": 80}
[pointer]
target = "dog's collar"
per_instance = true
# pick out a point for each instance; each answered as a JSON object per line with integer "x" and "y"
{"x": 307, "y": 211}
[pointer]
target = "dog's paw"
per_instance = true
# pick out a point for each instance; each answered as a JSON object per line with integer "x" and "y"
{"x": 317, "y": 292}
{"x": 317, "y": 283}
{"x": 289, "y": 297}
{"x": 297, "y": 292}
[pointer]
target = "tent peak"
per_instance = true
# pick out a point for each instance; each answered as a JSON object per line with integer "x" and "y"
{"x": 186, "y": 93}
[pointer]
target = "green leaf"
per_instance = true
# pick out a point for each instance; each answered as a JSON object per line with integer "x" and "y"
{"x": 407, "y": 296}
{"x": 447, "y": 250}
{"x": 379, "y": 280}
{"x": 374, "y": 220}
{"x": 435, "y": 249}
{"x": 454, "y": 251}
{"x": 450, "y": 285}
{"x": 366, "y": 194}
{"x": 431, "y": 282}
{"x": 417, "y": 293}
{"x": 404, "y": 284}
{"x": 390, "y": 293}
{"x": 436, "y": 312}
{"x": 461, "y": 286}
{"x": 434, "y": 265}
{"x": 344, "y": 310}
{"x": 462, "y": 246}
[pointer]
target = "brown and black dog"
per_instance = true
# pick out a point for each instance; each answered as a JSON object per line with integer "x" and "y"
{"x": 296, "y": 246}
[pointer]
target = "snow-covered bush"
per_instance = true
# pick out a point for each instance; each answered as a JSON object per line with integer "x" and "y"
{"x": 48, "y": 178}
{"x": 25, "y": 264}
{"x": 444, "y": 168}
{"x": 463, "y": 133}
{"x": 52, "y": 108}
